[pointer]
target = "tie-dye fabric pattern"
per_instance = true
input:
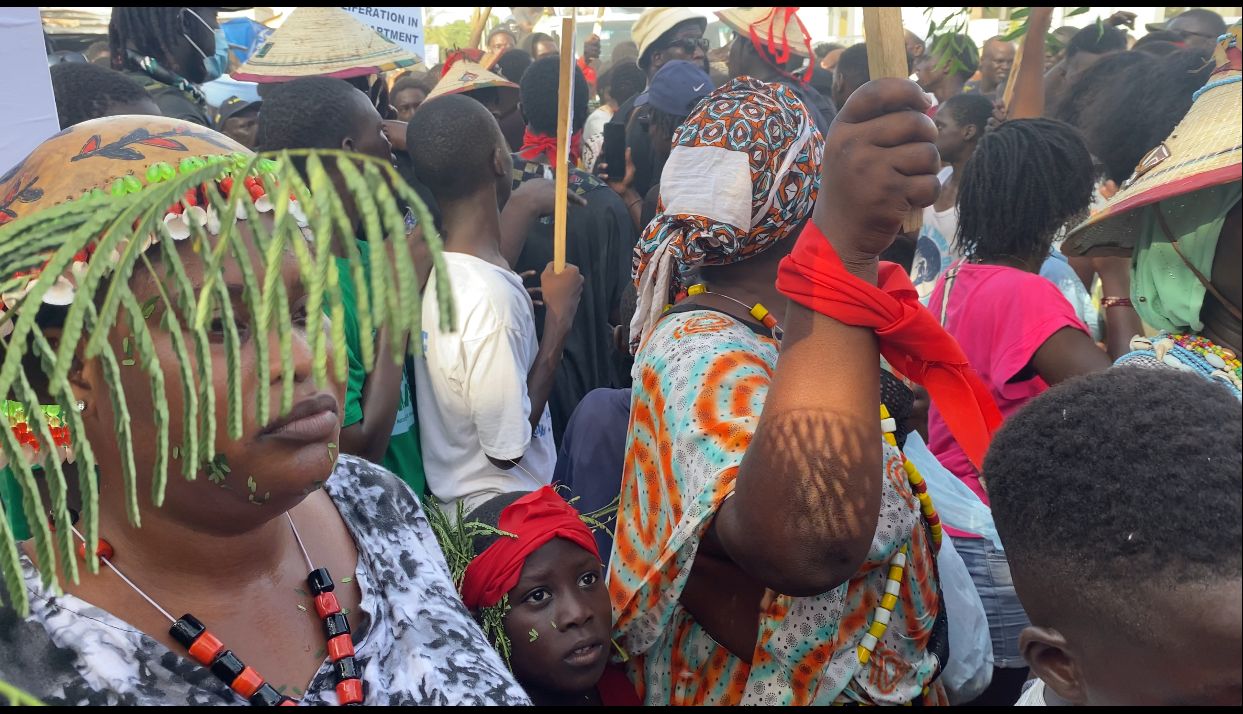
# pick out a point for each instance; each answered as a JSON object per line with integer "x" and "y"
{"x": 700, "y": 384}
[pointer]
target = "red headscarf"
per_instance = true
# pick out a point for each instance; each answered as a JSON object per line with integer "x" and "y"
{"x": 911, "y": 339}
{"x": 536, "y": 145}
{"x": 533, "y": 520}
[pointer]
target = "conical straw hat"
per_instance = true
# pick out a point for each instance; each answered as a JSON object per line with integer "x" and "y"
{"x": 1204, "y": 150}
{"x": 323, "y": 42}
{"x": 466, "y": 76}
{"x": 769, "y": 24}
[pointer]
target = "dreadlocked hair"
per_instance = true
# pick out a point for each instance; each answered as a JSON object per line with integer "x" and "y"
{"x": 1024, "y": 182}
{"x": 150, "y": 30}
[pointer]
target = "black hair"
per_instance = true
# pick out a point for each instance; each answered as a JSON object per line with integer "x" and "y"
{"x": 85, "y": 91}
{"x": 1128, "y": 102}
{"x": 822, "y": 49}
{"x": 1096, "y": 39}
{"x": 489, "y": 514}
{"x": 152, "y": 30}
{"x": 853, "y": 65}
{"x": 408, "y": 81}
{"x": 952, "y": 47}
{"x": 1040, "y": 171}
{"x": 539, "y": 96}
{"x": 661, "y": 128}
{"x": 1160, "y": 36}
{"x": 969, "y": 110}
{"x": 502, "y": 31}
{"x": 452, "y": 140}
{"x": 627, "y": 81}
{"x": 308, "y": 113}
{"x": 1158, "y": 48}
{"x": 534, "y": 39}
{"x": 1123, "y": 479}
{"x": 514, "y": 63}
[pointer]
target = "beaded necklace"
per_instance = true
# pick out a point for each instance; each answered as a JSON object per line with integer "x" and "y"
{"x": 1192, "y": 353}
{"x": 897, "y": 564}
{"x": 757, "y": 311}
{"x": 207, "y": 650}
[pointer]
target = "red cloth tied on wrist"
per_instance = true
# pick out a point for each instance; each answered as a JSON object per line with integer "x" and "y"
{"x": 537, "y": 145}
{"x": 533, "y": 520}
{"x": 911, "y": 339}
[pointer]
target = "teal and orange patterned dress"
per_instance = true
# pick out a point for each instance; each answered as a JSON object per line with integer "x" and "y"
{"x": 700, "y": 382}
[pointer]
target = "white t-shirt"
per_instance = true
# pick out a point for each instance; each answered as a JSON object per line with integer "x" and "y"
{"x": 471, "y": 387}
{"x": 934, "y": 249}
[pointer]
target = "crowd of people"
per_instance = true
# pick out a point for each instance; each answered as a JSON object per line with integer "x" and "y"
{"x": 762, "y": 439}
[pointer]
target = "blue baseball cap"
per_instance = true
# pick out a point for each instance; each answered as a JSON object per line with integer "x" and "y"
{"x": 677, "y": 88}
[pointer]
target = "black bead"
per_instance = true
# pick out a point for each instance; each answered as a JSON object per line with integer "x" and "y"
{"x": 227, "y": 667}
{"x": 187, "y": 630}
{"x": 266, "y": 696}
{"x": 345, "y": 668}
{"x": 336, "y": 624}
{"x": 320, "y": 582}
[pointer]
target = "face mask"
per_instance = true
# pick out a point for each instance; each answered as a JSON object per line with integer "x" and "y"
{"x": 214, "y": 65}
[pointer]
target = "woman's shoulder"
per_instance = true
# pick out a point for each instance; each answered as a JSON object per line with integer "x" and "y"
{"x": 372, "y": 500}
{"x": 707, "y": 333}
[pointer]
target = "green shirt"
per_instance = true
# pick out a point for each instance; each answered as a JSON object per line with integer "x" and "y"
{"x": 404, "y": 456}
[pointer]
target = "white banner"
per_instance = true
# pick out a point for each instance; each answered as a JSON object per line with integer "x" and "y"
{"x": 403, "y": 25}
{"x": 27, "y": 107}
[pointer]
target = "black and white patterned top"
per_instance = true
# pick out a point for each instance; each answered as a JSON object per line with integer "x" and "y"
{"x": 417, "y": 644}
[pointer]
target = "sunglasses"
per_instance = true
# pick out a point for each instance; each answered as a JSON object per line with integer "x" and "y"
{"x": 690, "y": 44}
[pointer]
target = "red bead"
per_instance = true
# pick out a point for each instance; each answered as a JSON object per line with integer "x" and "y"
{"x": 326, "y": 604}
{"x": 249, "y": 182}
{"x": 350, "y": 691}
{"x": 205, "y": 649}
{"x": 288, "y": 702}
{"x": 177, "y": 208}
{"x": 340, "y": 646}
{"x": 103, "y": 550}
{"x": 247, "y": 683}
{"x": 226, "y": 185}
{"x": 256, "y": 192}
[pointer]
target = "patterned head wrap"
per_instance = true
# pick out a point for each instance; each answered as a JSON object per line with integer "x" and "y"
{"x": 743, "y": 174}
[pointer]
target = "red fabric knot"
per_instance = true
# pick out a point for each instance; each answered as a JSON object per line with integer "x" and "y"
{"x": 532, "y": 521}
{"x": 536, "y": 145}
{"x": 781, "y": 55}
{"x": 910, "y": 337}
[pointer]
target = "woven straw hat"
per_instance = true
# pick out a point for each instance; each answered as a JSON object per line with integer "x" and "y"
{"x": 466, "y": 76}
{"x": 323, "y": 42}
{"x": 1204, "y": 150}
{"x": 770, "y": 25}
{"x": 656, "y": 21}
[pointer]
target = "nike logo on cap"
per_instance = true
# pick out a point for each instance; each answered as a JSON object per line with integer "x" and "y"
{"x": 696, "y": 89}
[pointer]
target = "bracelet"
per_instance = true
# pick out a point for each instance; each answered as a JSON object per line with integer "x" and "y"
{"x": 1116, "y": 302}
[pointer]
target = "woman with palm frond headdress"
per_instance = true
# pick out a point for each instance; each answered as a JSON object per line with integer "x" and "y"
{"x": 160, "y": 294}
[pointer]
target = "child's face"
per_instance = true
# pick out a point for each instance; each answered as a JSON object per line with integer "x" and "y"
{"x": 1186, "y": 650}
{"x": 271, "y": 467}
{"x": 560, "y": 620}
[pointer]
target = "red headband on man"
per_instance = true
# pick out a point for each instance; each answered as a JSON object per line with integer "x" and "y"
{"x": 910, "y": 337}
{"x": 533, "y": 520}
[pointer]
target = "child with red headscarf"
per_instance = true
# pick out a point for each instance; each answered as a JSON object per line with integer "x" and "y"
{"x": 529, "y": 571}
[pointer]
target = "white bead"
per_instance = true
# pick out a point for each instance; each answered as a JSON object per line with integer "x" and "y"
{"x": 899, "y": 559}
{"x": 868, "y": 642}
{"x": 883, "y": 615}
{"x": 893, "y": 587}
{"x": 1214, "y": 360}
{"x": 888, "y": 426}
{"x": 1172, "y": 361}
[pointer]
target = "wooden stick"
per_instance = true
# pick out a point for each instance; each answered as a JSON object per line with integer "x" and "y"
{"x": 886, "y": 43}
{"x": 479, "y": 21}
{"x": 1012, "y": 80}
{"x": 565, "y": 100}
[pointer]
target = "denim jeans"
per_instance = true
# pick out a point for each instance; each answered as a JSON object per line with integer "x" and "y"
{"x": 1006, "y": 618}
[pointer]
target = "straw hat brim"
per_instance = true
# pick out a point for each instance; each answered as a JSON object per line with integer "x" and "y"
{"x": 323, "y": 42}
{"x": 468, "y": 76}
{"x": 741, "y": 19}
{"x": 1204, "y": 150}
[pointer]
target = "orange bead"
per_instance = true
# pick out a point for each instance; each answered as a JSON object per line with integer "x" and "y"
{"x": 205, "y": 649}
{"x": 247, "y": 683}
{"x": 350, "y": 691}
{"x": 340, "y": 646}
{"x": 326, "y": 604}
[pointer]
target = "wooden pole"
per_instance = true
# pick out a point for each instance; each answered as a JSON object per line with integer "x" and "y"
{"x": 886, "y": 42}
{"x": 1012, "y": 81}
{"x": 565, "y": 100}
{"x": 478, "y": 21}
